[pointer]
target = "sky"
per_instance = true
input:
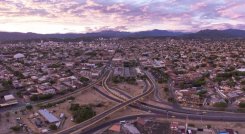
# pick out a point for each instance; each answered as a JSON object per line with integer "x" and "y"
{"x": 80, "y": 16}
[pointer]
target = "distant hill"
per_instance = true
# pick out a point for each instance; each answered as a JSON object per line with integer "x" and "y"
{"x": 6, "y": 36}
{"x": 107, "y": 33}
{"x": 229, "y": 33}
{"x": 156, "y": 33}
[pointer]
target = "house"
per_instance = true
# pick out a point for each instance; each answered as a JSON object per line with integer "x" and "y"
{"x": 19, "y": 56}
{"x": 116, "y": 128}
{"x": 8, "y": 100}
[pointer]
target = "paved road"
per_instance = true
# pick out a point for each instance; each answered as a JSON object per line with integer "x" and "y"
{"x": 176, "y": 113}
{"x": 111, "y": 122}
{"x": 129, "y": 117}
{"x": 56, "y": 99}
{"x": 228, "y": 116}
{"x": 89, "y": 123}
{"x": 168, "y": 113}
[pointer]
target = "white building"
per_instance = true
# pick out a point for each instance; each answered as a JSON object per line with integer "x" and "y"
{"x": 19, "y": 56}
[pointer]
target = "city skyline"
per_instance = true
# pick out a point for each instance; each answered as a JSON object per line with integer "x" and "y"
{"x": 80, "y": 16}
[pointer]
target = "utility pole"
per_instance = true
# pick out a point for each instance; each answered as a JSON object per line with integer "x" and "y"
{"x": 186, "y": 123}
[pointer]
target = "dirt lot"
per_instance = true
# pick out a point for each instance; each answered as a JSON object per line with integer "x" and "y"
{"x": 87, "y": 97}
{"x": 132, "y": 90}
{"x": 163, "y": 94}
{"x": 6, "y": 122}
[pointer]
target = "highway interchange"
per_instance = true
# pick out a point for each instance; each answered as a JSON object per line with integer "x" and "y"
{"x": 134, "y": 102}
{"x": 125, "y": 100}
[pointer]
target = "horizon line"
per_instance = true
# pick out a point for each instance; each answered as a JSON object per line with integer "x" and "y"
{"x": 183, "y": 31}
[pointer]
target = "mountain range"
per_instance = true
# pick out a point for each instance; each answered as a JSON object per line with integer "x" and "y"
{"x": 229, "y": 33}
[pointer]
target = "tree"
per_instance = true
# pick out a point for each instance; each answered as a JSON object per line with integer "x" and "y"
{"x": 19, "y": 94}
{"x": 16, "y": 128}
{"x": 74, "y": 107}
{"x": 171, "y": 99}
{"x": 243, "y": 82}
{"x": 29, "y": 107}
{"x": 19, "y": 74}
{"x": 81, "y": 113}
{"x": 7, "y": 114}
{"x": 231, "y": 83}
{"x": 209, "y": 126}
{"x": 199, "y": 82}
{"x": 220, "y": 104}
{"x": 243, "y": 88}
{"x": 84, "y": 79}
{"x": 41, "y": 97}
{"x": 7, "y": 84}
{"x": 34, "y": 97}
{"x": 242, "y": 105}
{"x": 53, "y": 127}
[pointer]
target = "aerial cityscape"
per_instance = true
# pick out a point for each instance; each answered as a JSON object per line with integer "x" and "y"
{"x": 122, "y": 67}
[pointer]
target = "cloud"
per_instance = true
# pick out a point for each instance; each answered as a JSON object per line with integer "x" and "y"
{"x": 130, "y": 15}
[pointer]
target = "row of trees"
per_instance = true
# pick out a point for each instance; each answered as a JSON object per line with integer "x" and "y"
{"x": 41, "y": 97}
{"x": 227, "y": 75}
{"x": 132, "y": 63}
{"x": 119, "y": 79}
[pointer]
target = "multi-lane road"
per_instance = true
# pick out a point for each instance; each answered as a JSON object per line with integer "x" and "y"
{"x": 169, "y": 112}
{"x": 125, "y": 100}
{"x": 84, "y": 126}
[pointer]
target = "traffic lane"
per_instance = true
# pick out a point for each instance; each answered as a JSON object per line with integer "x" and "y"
{"x": 160, "y": 110}
{"x": 182, "y": 114}
{"x": 87, "y": 123}
{"x": 131, "y": 117}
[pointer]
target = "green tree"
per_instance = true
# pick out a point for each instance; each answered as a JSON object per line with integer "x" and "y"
{"x": 220, "y": 104}
{"x": 16, "y": 128}
{"x": 7, "y": 84}
{"x": 242, "y": 105}
{"x": 84, "y": 79}
{"x": 29, "y": 107}
{"x": 53, "y": 127}
{"x": 81, "y": 113}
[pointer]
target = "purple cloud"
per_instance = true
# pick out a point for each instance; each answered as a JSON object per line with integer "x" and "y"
{"x": 131, "y": 15}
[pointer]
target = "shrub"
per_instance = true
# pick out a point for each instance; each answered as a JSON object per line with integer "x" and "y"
{"x": 220, "y": 104}
{"x": 29, "y": 107}
{"x": 41, "y": 97}
{"x": 16, "y": 128}
{"x": 81, "y": 113}
{"x": 53, "y": 127}
{"x": 243, "y": 82}
{"x": 84, "y": 79}
{"x": 242, "y": 104}
{"x": 199, "y": 82}
{"x": 171, "y": 99}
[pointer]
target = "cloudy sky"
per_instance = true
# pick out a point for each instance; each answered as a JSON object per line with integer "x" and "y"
{"x": 76, "y": 16}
